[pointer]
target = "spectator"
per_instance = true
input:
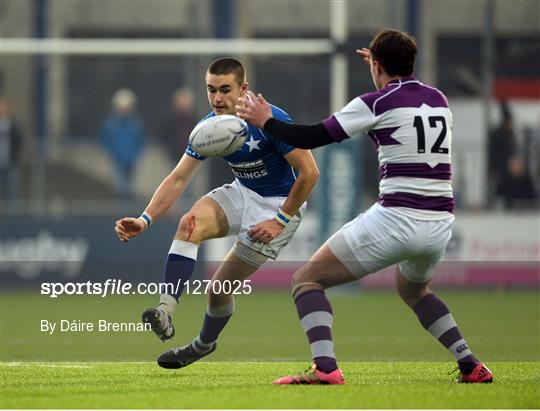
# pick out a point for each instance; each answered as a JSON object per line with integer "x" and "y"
{"x": 178, "y": 125}
{"x": 11, "y": 141}
{"x": 532, "y": 154}
{"x": 501, "y": 147}
{"x": 123, "y": 137}
{"x": 516, "y": 188}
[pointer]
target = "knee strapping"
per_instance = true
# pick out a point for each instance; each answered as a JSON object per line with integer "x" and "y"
{"x": 305, "y": 286}
{"x": 249, "y": 256}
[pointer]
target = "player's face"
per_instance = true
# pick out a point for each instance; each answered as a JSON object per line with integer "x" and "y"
{"x": 223, "y": 92}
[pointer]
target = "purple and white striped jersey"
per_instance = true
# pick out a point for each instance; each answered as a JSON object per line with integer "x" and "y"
{"x": 411, "y": 126}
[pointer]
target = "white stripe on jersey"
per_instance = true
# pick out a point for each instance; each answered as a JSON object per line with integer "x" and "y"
{"x": 423, "y": 215}
{"x": 355, "y": 117}
{"x": 421, "y": 186}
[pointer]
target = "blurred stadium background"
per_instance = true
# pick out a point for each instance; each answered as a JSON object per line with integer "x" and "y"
{"x": 65, "y": 63}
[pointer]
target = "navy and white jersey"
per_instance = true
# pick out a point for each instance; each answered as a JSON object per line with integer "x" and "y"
{"x": 411, "y": 126}
{"x": 259, "y": 164}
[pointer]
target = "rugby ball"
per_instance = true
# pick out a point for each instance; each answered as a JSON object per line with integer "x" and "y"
{"x": 219, "y": 136}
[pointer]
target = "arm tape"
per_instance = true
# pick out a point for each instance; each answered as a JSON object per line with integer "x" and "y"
{"x": 283, "y": 218}
{"x": 147, "y": 218}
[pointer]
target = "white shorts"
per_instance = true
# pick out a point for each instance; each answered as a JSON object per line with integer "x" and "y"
{"x": 381, "y": 237}
{"x": 245, "y": 208}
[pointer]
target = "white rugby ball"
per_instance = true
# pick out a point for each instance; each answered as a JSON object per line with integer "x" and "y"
{"x": 219, "y": 136}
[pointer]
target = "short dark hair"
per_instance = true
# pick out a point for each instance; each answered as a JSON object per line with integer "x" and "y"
{"x": 228, "y": 65}
{"x": 395, "y": 50}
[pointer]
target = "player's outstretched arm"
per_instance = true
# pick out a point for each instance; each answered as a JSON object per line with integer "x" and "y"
{"x": 170, "y": 189}
{"x": 257, "y": 111}
{"x": 302, "y": 161}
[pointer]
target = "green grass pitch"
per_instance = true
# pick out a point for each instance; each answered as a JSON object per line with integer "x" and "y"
{"x": 388, "y": 360}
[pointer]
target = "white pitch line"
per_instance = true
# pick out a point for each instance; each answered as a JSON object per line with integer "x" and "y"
{"x": 45, "y": 365}
{"x": 67, "y": 364}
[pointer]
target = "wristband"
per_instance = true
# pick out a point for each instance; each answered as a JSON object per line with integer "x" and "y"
{"x": 283, "y": 218}
{"x": 147, "y": 218}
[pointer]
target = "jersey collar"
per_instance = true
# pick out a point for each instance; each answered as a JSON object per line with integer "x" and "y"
{"x": 402, "y": 80}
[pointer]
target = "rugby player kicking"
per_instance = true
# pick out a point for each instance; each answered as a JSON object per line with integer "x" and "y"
{"x": 263, "y": 207}
{"x": 410, "y": 225}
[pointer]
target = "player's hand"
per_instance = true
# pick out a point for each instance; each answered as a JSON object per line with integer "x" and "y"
{"x": 364, "y": 53}
{"x": 266, "y": 231}
{"x": 254, "y": 109}
{"x": 129, "y": 227}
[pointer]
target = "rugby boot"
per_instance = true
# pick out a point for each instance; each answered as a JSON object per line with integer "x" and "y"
{"x": 480, "y": 374}
{"x": 161, "y": 323}
{"x": 181, "y": 357}
{"x": 312, "y": 376}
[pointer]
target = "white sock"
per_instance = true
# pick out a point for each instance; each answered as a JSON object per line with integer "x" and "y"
{"x": 167, "y": 303}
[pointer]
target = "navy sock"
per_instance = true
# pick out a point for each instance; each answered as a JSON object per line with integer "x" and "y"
{"x": 215, "y": 320}
{"x": 179, "y": 266}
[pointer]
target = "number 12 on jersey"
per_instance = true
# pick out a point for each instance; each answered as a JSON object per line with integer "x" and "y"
{"x": 421, "y": 134}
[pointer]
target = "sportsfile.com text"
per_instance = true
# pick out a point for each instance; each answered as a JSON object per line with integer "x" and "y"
{"x": 119, "y": 287}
